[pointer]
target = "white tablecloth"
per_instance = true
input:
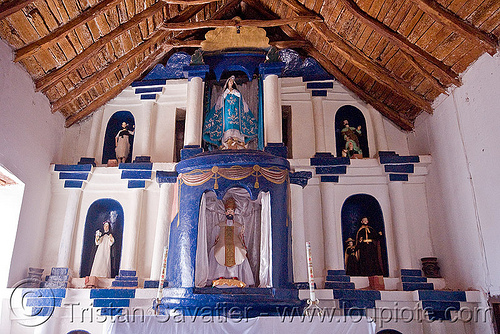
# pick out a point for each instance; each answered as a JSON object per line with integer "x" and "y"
{"x": 261, "y": 325}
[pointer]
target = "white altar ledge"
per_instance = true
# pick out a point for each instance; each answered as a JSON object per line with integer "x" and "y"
{"x": 217, "y": 325}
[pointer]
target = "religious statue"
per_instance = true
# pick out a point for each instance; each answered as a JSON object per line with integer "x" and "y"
{"x": 122, "y": 143}
{"x": 102, "y": 259}
{"x": 369, "y": 252}
{"x": 351, "y": 258}
{"x": 230, "y": 124}
{"x": 228, "y": 260}
{"x": 351, "y": 137}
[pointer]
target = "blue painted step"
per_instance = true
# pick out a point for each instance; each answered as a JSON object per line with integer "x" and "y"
{"x": 411, "y": 272}
{"x": 49, "y": 293}
{"x": 340, "y": 272}
{"x": 339, "y": 285}
{"x": 109, "y": 303}
{"x": 357, "y": 294}
{"x": 125, "y": 283}
{"x": 338, "y": 278}
{"x": 111, "y": 311}
{"x": 417, "y": 286}
{"x": 413, "y": 279}
{"x": 449, "y": 296}
{"x": 44, "y": 302}
{"x": 42, "y": 311}
{"x": 112, "y": 293}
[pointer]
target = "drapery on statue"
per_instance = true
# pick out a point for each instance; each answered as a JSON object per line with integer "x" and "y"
{"x": 230, "y": 124}
{"x": 369, "y": 251}
{"x": 102, "y": 259}
{"x": 122, "y": 143}
{"x": 228, "y": 260}
{"x": 351, "y": 137}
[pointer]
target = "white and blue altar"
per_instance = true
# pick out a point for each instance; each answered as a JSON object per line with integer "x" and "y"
{"x": 293, "y": 180}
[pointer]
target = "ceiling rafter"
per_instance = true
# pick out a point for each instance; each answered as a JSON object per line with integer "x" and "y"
{"x": 10, "y": 7}
{"x": 487, "y": 41}
{"x": 237, "y": 23}
{"x": 362, "y": 61}
{"x": 367, "y": 65}
{"x": 408, "y": 48}
{"x": 51, "y": 78}
{"x": 60, "y": 32}
{"x": 337, "y": 73}
{"x": 189, "y": 2}
{"x": 146, "y": 64}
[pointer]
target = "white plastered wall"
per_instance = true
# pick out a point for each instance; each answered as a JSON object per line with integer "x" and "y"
{"x": 30, "y": 140}
{"x": 463, "y": 181}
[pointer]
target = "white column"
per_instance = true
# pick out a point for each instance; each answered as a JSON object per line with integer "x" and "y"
{"x": 314, "y": 228}
{"x": 334, "y": 254}
{"x": 298, "y": 234}
{"x": 272, "y": 110}
{"x": 68, "y": 228}
{"x": 194, "y": 112}
{"x": 400, "y": 225}
{"x": 379, "y": 129}
{"x": 94, "y": 132}
{"x": 162, "y": 228}
{"x": 319, "y": 127}
{"x": 143, "y": 134}
{"x": 131, "y": 231}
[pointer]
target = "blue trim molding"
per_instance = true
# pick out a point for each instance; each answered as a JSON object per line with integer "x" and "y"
{"x": 266, "y": 69}
{"x": 166, "y": 177}
{"x": 300, "y": 178}
{"x": 196, "y": 71}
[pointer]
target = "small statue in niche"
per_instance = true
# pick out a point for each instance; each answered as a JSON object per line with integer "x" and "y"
{"x": 369, "y": 251}
{"x": 351, "y": 258}
{"x": 104, "y": 240}
{"x": 230, "y": 124}
{"x": 228, "y": 262}
{"x": 351, "y": 137}
{"x": 122, "y": 143}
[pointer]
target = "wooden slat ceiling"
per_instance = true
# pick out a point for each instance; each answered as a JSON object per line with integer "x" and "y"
{"x": 397, "y": 55}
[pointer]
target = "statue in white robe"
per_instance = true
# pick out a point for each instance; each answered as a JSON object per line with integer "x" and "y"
{"x": 101, "y": 266}
{"x": 228, "y": 256}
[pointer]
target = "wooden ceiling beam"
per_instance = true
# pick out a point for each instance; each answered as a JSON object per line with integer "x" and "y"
{"x": 367, "y": 65}
{"x": 188, "y": 2}
{"x": 349, "y": 84}
{"x": 238, "y": 23}
{"x": 53, "y": 77}
{"x": 145, "y": 65}
{"x": 447, "y": 18}
{"x": 87, "y": 83}
{"x": 10, "y": 7}
{"x": 290, "y": 44}
{"x": 157, "y": 37}
{"x": 410, "y": 49}
{"x": 337, "y": 73}
{"x": 62, "y": 31}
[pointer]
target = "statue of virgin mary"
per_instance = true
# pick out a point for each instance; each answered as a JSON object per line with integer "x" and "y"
{"x": 230, "y": 124}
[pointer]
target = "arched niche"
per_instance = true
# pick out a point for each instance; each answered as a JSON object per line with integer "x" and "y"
{"x": 98, "y": 213}
{"x": 355, "y": 118}
{"x": 353, "y": 210}
{"x": 78, "y": 331}
{"x": 112, "y": 129}
{"x": 247, "y": 213}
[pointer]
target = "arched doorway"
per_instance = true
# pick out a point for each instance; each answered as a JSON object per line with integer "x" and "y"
{"x": 354, "y": 209}
{"x": 112, "y": 129}
{"x": 355, "y": 118}
{"x": 101, "y": 211}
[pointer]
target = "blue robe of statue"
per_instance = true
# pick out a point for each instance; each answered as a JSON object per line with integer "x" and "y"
{"x": 230, "y": 115}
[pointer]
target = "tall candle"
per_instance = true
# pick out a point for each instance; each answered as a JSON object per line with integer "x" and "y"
{"x": 162, "y": 275}
{"x": 312, "y": 293}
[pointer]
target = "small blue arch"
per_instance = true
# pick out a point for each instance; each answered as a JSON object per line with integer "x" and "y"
{"x": 98, "y": 213}
{"x": 112, "y": 129}
{"x": 353, "y": 210}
